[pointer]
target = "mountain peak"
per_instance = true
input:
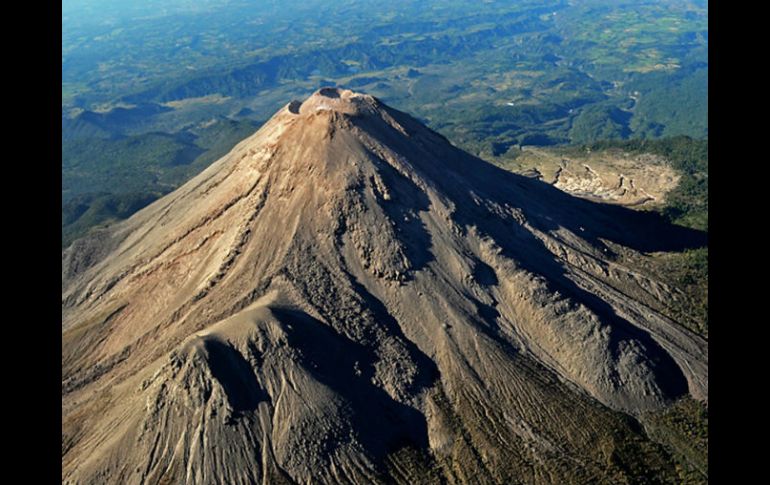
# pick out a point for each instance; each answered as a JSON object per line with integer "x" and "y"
{"x": 346, "y": 288}
{"x": 337, "y": 100}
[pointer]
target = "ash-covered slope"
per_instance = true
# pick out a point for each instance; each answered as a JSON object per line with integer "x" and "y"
{"x": 348, "y": 298}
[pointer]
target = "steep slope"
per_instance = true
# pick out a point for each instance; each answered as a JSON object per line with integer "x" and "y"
{"x": 347, "y": 298}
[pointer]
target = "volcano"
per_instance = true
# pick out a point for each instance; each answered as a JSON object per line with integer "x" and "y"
{"x": 346, "y": 297}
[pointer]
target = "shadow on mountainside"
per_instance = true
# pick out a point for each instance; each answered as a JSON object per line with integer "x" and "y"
{"x": 407, "y": 201}
{"x": 545, "y": 207}
{"x": 520, "y": 245}
{"x": 236, "y": 376}
{"x": 471, "y": 183}
{"x": 382, "y": 425}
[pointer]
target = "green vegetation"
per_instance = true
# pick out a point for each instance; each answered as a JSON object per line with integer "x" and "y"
{"x": 687, "y": 204}
{"x": 680, "y": 100}
{"x": 599, "y": 122}
{"x": 143, "y": 162}
{"x": 105, "y": 180}
{"x": 688, "y": 271}
{"x": 82, "y": 212}
{"x": 683, "y": 429}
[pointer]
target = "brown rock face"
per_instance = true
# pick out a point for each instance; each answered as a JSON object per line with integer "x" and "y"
{"x": 348, "y": 298}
